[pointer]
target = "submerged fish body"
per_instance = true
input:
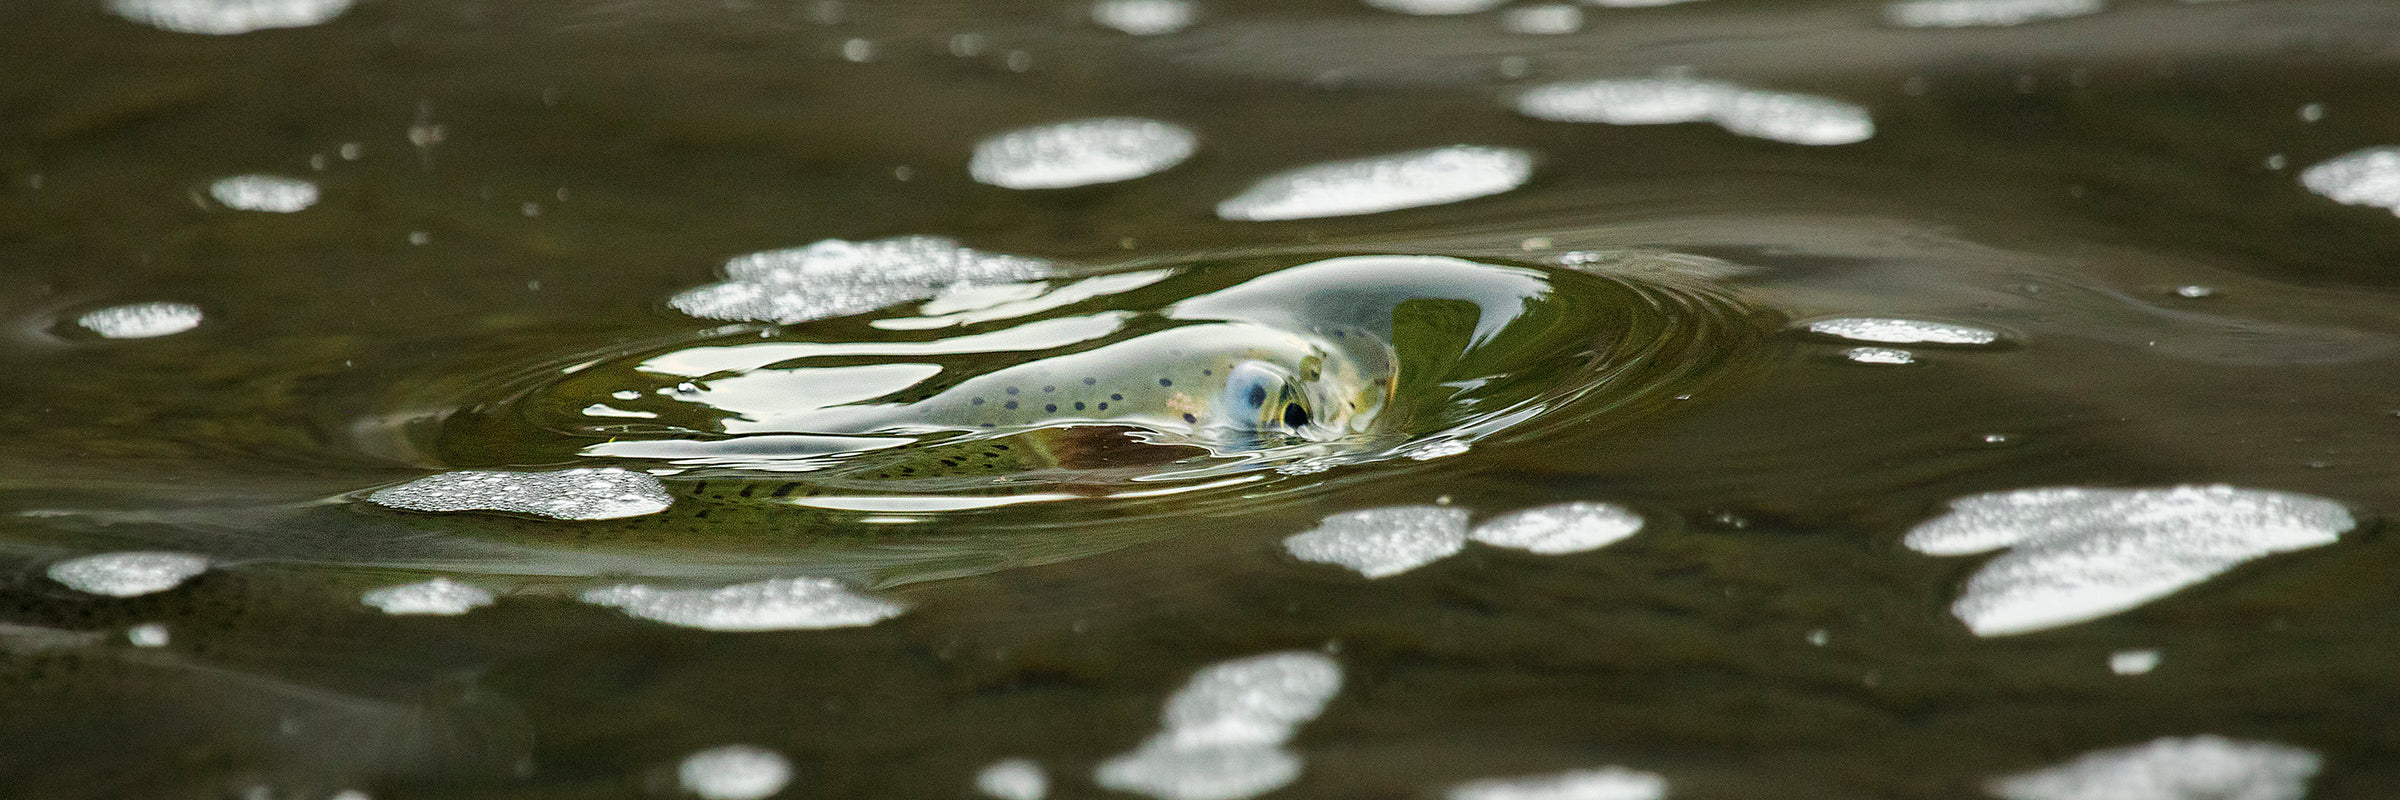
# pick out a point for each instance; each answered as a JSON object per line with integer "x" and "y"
{"x": 1224, "y": 385}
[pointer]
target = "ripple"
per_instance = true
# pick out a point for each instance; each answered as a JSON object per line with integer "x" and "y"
{"x": 1080, "y": 153}
{"x": 734, "y": 772}
{"x": 1788, "y": 117}
{"x": 440, "y": 597}
{"x": 1902, "y": 331}
{"x": 833, "y": 278}
{"x": 1382, "y": 183}
{"x": 141, "y": 320}
{"x": 2079, "y": 554}
{"x": 270, "y": 193}
{"x": 1605, "y": 783}
{"x": 1984, "y": 13}
{"x": 1013, "y": 779}
{"x": 586, "y": 493}
{"x": 783, "y": 604}
{"x": 1560, "y": 528}
{"x": 1224, "y": 730}
{"x": 2369, "y": 177}
{"x": 2172, "y": 769}
{"x": 226, "y": 17}
{"x": 1382, "y": 542}
{"x": 130, "y": 574}
{"x": 1145, "y": 17}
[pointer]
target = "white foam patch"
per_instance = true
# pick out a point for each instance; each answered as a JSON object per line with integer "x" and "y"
{"x": 1902, "y": 331}
{"x": 1436, "y": 7}
{"x": 1080, "y": 153}
{"x": 2133, "y": 662}
{"x": 227, "y": 17}
{"x": 1788, "y": 117}
{"x": 1984, "y": 13}
{"x": 1013, "y": 779}
{"x": 1605, "y": 783}
{"x": 1880, "y": 355}
{"x": 270, "y": 193}
{"x": 1224, "y": 731}
{"x": 1542, "y": 19}
{"x": 734, "y": 772}
{"x": 440, "y": 596}
{"x": 1560, "y": 528}
{"x": 2079, "y": 554}
{"x": 782, "y": 604}
{"x": 141, "y": 320}
{"x": 1635, "y": 3}
{"x": 585, "y": 493}
{"x": 1383, "y": 183}
{"x": 2369, "y": 177}
{"x": 2195, "y": 768}
{"x": 1381, "y": 542}
{"x": 147, "y": 634}
{"x": 127, "y": 574}
{"x": 834, "y": 278}
{"x": 1145, "y": 17}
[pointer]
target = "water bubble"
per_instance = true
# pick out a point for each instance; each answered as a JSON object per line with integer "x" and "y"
{"x": 1879, "y": 355}
{"x": 1605, "y": 783}
{"x": 1383, "y": 183}
{"x": 2172, "y": 769}
{"x": 1224, "y": 730}
{"x": 2078, "y": 554}
{"x": 1542, "y": 19}
{"x": 1145, "y": 17}
{"x": 1561, "y": 528}
{"x": 1983, "y": 13}
{"x": 148, "y": 634}
{"x": 2369, "y": 177}
{"x": 734, "y": 772}
{"x": 587, "y": 493}
{"x": 141, "y": 320}
{"x": 834, "y": 278}
{"x": 2194, "y": 291}
{"x": 269, "y": 193}
{"x": 1902, "y": 331}
{"x": 130, "y": 574}
{"x": 1788, "y": 117}
{"x": 2133, "y": 662}
{"x": 226, "y": 17}
{"x": 2312, "y": 112}
{"x": 1013, "y": 779}
{"x": 773, "y": 605}
{"x": 1080, "y": 153}
{"x": 440, "y": 596}
{"x": 1381, "y": 542}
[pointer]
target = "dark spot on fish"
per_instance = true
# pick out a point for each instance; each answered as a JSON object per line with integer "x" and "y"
{"x": 785, "y": 489}
{"x": 1012, "y": 390}
{"x": 1190, "y": 418}
{"x": 1208, "y": 372}
{"x": 1104, "y": 406}
{"x": 703, "y": 514}
{"x": 749, "y": 490}
{"x": 989, "y": 425}
{"x": 700, "y": 488}
{"x": 975, "y": 402}
{"x": 1050, "y": 407}
{"x": 1049, "y": 388}
{"x": 1090, "y": 381}
{"x": 1000, "y": 447}
{"x": 1115, "y": 396}
{"x": 1012, "y": 405}
{"x": 1079, "y": 406}
{"x": 1165, "y": 382}
{"x": 1339, "y": 333}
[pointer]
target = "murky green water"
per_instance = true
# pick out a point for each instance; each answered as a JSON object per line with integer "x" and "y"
{"x": 1856, "y": 282}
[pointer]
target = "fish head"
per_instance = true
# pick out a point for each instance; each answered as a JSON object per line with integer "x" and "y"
{"x": 1319, "y": 397}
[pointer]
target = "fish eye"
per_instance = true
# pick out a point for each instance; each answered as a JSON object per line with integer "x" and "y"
{"x": 1295, "y": 416}
{"x": 1257, "y": 395}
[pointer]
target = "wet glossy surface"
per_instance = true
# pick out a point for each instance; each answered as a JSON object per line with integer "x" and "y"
{"x": 1921, "y": 399}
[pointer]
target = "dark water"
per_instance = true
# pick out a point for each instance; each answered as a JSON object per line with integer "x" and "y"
{"x": 508, "y": 190}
